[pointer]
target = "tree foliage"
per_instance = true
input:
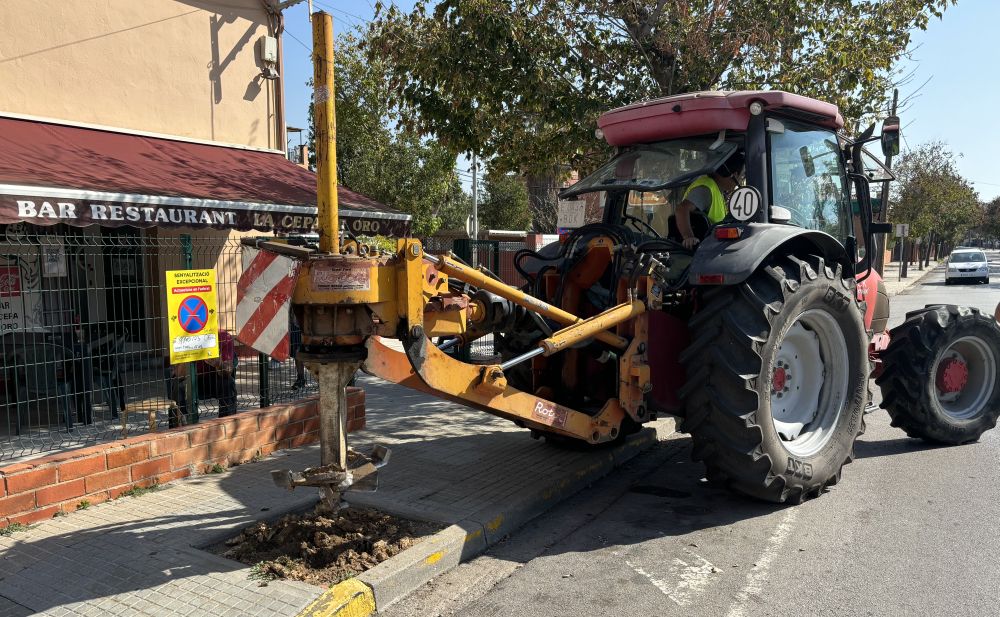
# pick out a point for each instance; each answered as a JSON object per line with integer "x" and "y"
{"x": 932, "y": 196}
{"x": 523, "y": 81}
{"x": 505, "y": 203}
{"x": 991, "y": 219}
{"x": 396, "y": 167}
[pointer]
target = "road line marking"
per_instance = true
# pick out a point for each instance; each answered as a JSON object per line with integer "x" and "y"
{"x": 758, "y": 575}
{"x": 694, "y": 577}
{"x": 661, "y": 585}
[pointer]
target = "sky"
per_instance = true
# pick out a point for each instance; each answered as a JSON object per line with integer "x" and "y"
{"x": 955, "y": 54}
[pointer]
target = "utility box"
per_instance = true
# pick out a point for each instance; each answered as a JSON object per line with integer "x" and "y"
{"x": 267, "y": 48}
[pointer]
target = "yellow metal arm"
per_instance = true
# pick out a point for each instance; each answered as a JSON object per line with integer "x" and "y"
{"x": 592, "y": 326}
{"x": 478, "y": 279}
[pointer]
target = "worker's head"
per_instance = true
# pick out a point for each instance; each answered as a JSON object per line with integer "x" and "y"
{"x": 732, "y": 166}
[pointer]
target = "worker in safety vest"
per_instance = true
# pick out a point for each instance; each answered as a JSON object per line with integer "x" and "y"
{"x": 707, "y": 195}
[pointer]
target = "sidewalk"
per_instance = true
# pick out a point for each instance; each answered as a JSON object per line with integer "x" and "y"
{"x": 913, "y": 274}
{"x": 140, "y": 556}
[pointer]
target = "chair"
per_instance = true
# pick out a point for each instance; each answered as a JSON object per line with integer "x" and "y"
{"x": 38, "y": 369}
{"x": 106, "y": 352}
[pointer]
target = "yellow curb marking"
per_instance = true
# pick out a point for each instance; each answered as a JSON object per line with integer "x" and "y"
{"x": 472, "y": 536}
{"x": 433, "y": 558}
{"x": 350, "y": 598}
{"x": 495, "y": 523}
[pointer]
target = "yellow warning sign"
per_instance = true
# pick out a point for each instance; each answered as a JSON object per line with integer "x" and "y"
{"x": 192, "y": 313}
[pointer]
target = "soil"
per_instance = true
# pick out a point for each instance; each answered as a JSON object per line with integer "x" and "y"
{"x": 323, "y": 549}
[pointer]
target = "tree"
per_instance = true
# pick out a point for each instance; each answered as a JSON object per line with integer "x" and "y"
{"x": 932, "y": 197}
{"x": 390, "y": 164}
{"x": 523, "y": 81}
{"x": 505, "y": 203}
{"x": 991, "y": 219}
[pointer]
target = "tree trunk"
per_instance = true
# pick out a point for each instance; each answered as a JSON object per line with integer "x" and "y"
{"x": 542, "y": 190}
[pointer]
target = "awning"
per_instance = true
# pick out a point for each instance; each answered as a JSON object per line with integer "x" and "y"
{"x": 54, "y": 173}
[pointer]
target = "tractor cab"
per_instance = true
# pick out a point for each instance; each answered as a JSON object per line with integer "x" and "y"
{"x": 778, "y": 159}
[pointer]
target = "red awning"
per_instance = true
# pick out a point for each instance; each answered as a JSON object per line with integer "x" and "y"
{"x": 54, "y": 173}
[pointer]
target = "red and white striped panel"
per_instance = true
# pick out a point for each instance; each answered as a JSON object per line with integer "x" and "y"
{"x": 264, "y": 296}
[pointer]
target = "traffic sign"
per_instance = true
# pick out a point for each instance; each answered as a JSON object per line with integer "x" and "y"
{"x": 902, "y": 230}
{"x": 193, "y": 320}
{"x": 193, "y": 314}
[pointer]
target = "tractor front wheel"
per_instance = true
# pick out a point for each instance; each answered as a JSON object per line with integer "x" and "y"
{"x": 941, "y": 380}
{"x": 778, "y": 375}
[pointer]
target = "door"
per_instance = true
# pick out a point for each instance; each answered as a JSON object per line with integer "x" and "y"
{"x": 808, "y": 178}
{"x": 125, "y": 282}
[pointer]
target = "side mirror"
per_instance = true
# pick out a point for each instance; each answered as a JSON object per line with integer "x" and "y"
{"x": 890, "y": 136}
{"x": 807, "y": 161}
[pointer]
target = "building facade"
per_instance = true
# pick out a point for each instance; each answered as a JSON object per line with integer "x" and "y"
{"x": 186, "y": 68}
{"x": 136, "y": 137}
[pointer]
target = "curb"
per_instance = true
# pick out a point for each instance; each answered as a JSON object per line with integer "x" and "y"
{"x": 914, "y": 281}
{"x": 396, "y": 577}
{"x": 350, "y": 598}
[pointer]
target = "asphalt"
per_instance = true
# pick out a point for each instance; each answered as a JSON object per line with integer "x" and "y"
{"x": 909, "y": 531}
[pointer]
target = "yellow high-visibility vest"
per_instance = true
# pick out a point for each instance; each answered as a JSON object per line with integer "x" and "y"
{"x": 717, "y": 211}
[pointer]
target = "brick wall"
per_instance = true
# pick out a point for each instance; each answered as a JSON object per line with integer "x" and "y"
{"x": 38, "y": 489}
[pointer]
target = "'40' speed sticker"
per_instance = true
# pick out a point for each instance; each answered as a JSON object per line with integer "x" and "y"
{"x": 744, "y": 203}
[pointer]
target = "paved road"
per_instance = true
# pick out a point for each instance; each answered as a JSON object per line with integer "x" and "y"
{"x": 911, "y": 530}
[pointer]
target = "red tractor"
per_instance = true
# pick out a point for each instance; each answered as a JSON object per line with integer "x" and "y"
{"x": 760, "y": 325}
{"x": 780, "y": 318}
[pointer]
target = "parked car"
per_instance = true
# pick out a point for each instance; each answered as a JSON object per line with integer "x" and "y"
{"x": 967, "y": 264}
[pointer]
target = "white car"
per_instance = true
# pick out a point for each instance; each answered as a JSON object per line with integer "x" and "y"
{"x": 967, "y": 265}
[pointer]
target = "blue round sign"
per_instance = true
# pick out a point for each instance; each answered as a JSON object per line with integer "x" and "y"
{"x": 192, "y": 314}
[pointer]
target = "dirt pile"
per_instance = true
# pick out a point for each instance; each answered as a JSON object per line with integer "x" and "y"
{"x": 321, "y": 548}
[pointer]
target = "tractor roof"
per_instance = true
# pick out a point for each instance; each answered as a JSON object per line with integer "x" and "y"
{"x": 700, "y": 113}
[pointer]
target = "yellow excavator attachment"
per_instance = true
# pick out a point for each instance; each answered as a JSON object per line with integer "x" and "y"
{"x": 350, "y": 298}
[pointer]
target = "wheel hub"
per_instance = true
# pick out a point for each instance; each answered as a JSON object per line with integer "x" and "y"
{"x": 952, "y": 375}
{"x": 809, "y": 382}
{"x": 964, "y": 377}
{"x": 779, "y": 380}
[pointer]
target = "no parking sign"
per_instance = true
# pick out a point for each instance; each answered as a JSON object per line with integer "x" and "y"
{"x": 192, "y": 315}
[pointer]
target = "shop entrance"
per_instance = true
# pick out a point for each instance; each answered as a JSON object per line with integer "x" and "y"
{"x": 125, "y": 292}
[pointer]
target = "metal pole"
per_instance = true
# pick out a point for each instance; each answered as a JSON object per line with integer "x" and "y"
{"x": 333, "y": 380}
{"x": 475, "y": 200}
{"x": 904, "y": 259}
{"x": 264, "y": 380}
{"x": 325, "y": 118}
{"x": 192, "y": 381}
{"x": 883, "y": 211}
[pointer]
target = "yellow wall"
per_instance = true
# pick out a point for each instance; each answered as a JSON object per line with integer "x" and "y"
{"x": 180, "y": 67}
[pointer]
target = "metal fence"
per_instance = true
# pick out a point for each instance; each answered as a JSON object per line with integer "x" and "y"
{"x": 83, "y": 338}
{"x": 498, "y": 258}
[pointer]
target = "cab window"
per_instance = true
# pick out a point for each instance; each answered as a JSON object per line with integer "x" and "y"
{"x": 807, "y": 177}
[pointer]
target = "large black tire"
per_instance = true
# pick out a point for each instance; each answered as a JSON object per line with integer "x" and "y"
{"x": 914, "y": 378}
{"x": 738, "y": 335}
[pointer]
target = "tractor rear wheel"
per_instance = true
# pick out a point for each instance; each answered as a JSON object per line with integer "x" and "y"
{"x": 777, "y": 380}
{"x": 941, "y": 381}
